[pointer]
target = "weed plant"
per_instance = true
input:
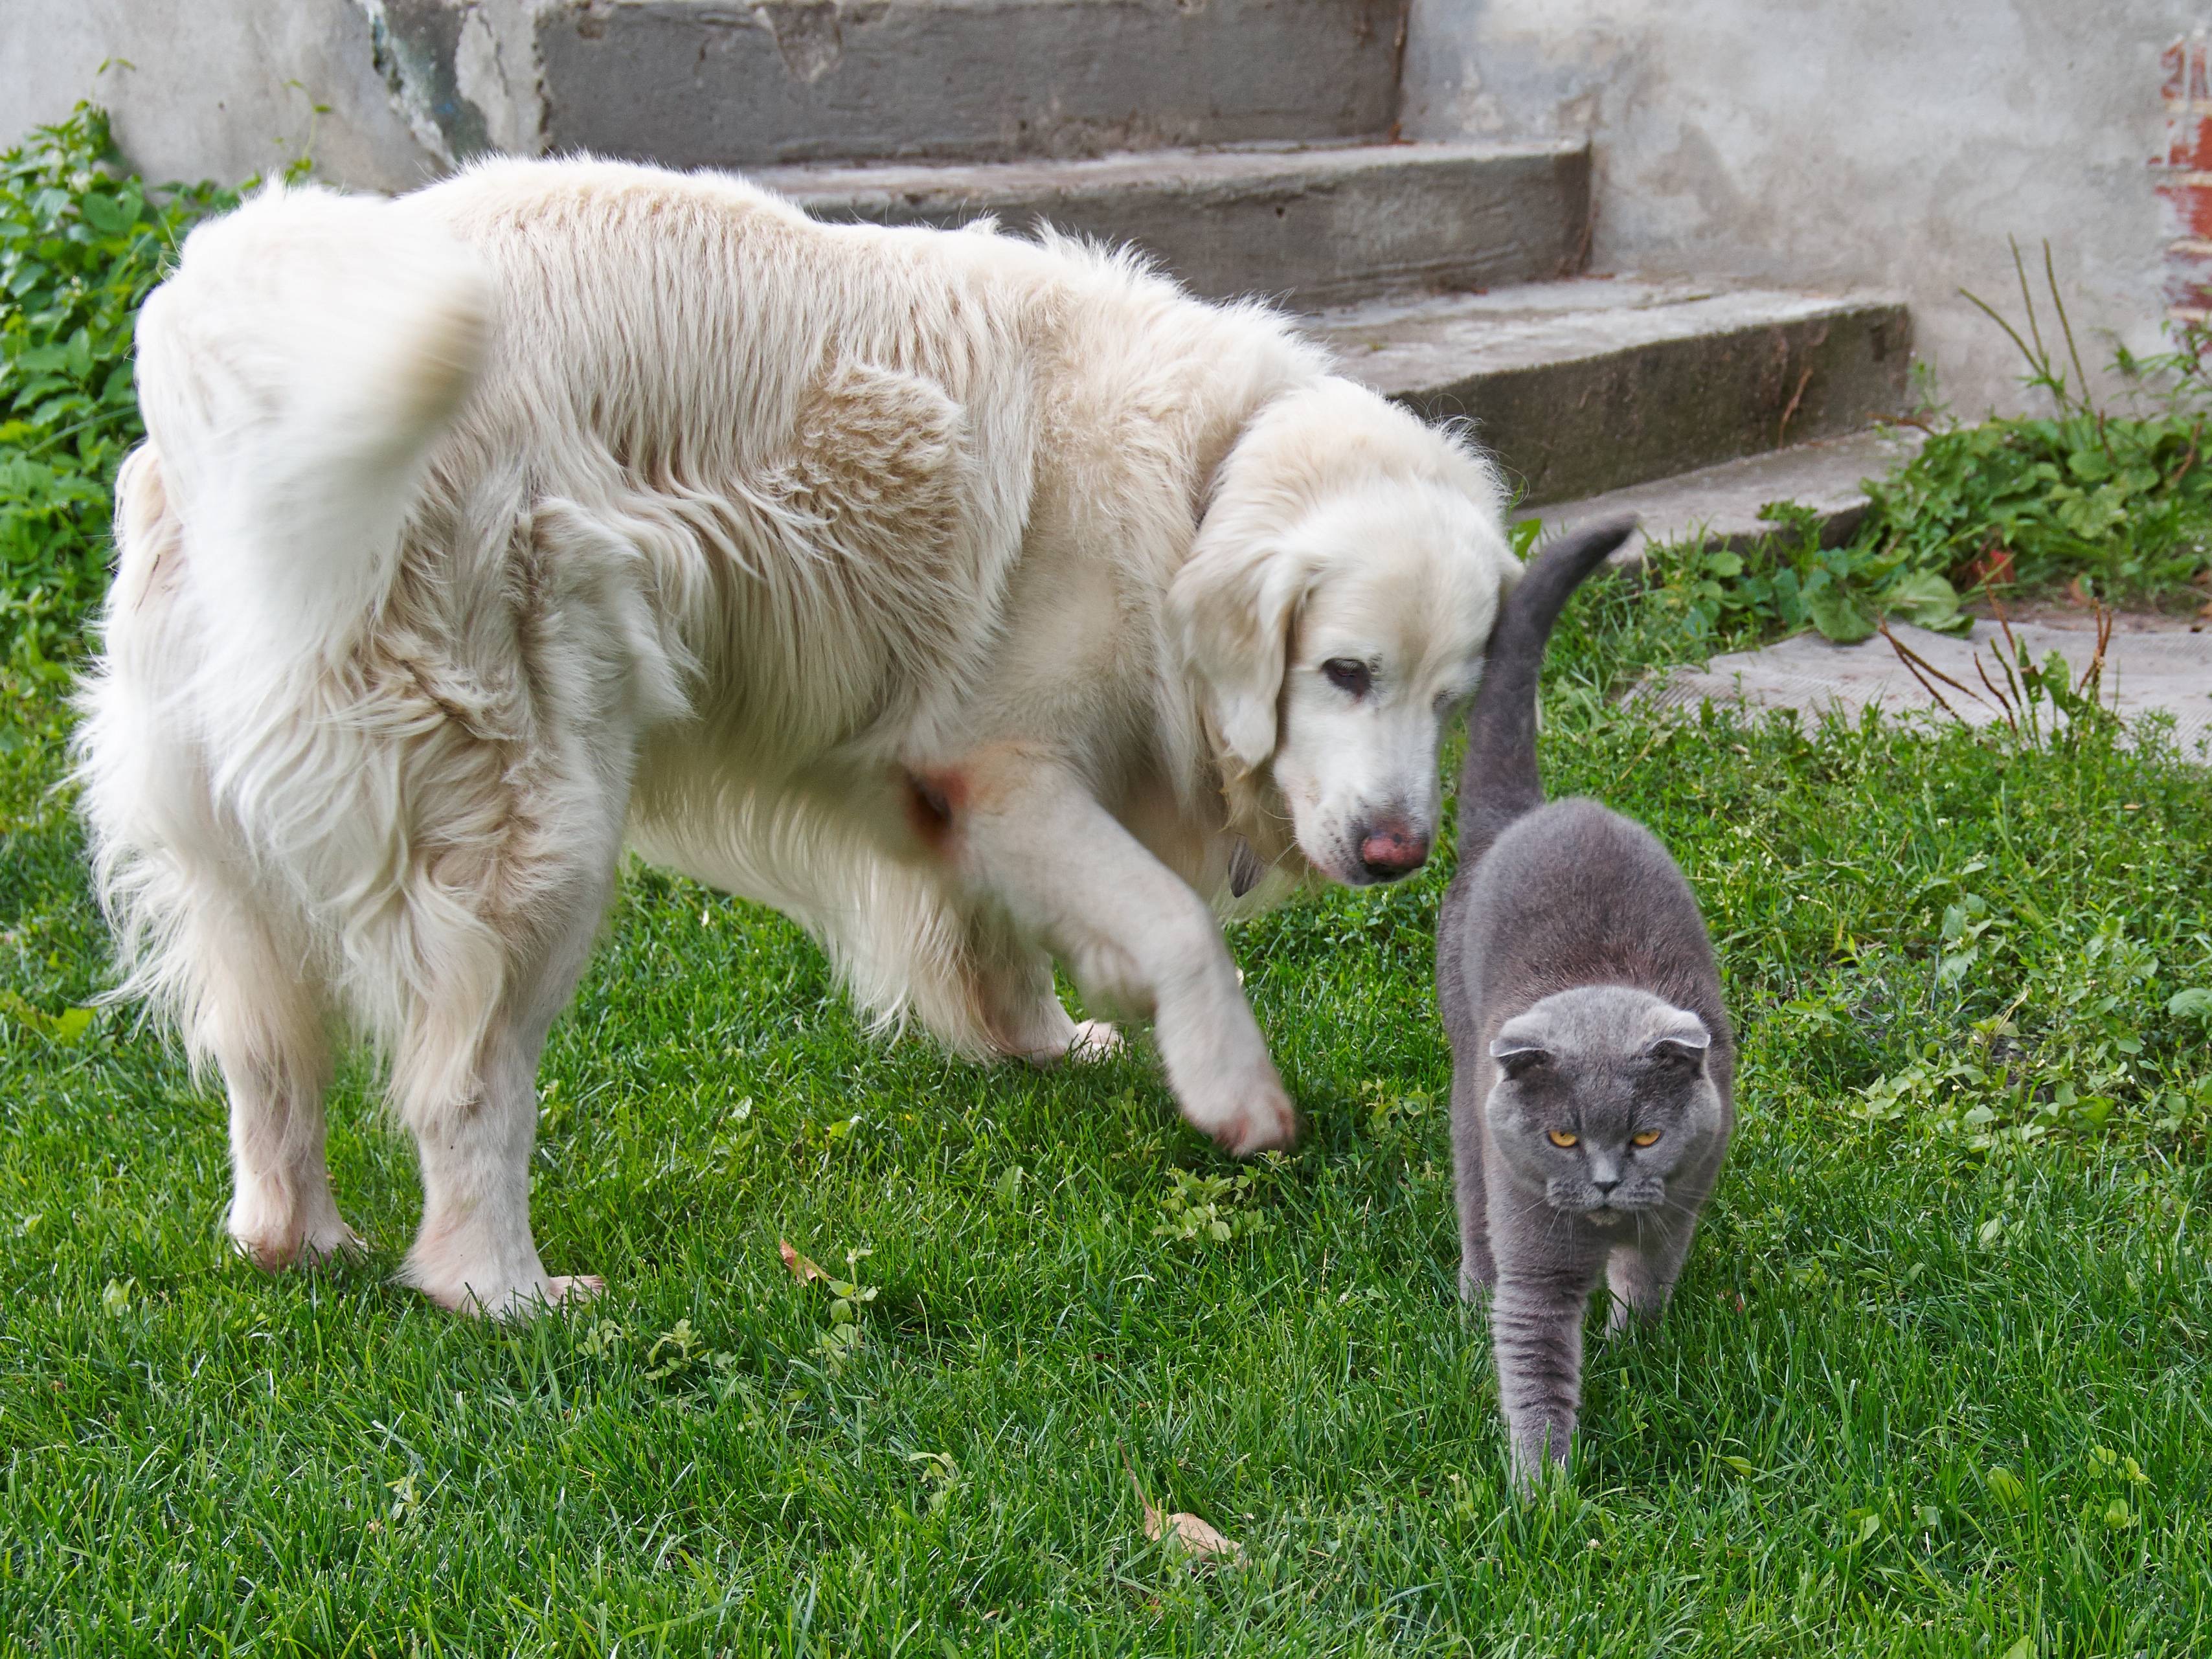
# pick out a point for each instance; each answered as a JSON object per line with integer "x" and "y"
{"x": 2117, "y": 507}
{"x": 83, "y": 242}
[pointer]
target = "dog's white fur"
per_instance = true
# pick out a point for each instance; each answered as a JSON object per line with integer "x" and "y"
{"x": 965, "y": 597}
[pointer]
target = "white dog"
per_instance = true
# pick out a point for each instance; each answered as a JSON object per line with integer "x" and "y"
{"x": 971, "y": 600}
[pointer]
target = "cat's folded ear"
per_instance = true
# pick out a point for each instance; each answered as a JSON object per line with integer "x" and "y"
{"x": 1683, "y": 1042}
{"x": 1517, "y": 1063}
{"x": 1519, "y": 1046}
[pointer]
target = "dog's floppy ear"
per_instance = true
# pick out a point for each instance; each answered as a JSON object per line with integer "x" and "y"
{"x": 1230, "y": 609}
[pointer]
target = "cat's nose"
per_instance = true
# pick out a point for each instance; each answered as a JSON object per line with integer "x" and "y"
{"x": 1606, "y": 1186}
{"x": 1391, "y": 850}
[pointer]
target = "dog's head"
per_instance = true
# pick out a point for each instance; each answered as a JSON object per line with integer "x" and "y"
{"x": 1334, "y": 612}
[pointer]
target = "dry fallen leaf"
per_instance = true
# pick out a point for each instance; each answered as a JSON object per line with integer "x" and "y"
{"x": 1200, "y": 1540}
{"x": 802, "y": 1269}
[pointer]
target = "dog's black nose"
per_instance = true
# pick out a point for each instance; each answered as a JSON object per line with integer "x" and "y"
{"x": 1391, "y": 850}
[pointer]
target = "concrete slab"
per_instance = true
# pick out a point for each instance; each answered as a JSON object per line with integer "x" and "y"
{"x": 709, "y": 82}
{"x": 1585, "y": 387}
{"x": 1311, "y": 226}
{"x": 1721, "y": 504}
{"x": 2153, "y": 664}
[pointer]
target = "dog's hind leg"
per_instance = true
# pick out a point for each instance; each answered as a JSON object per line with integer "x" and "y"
{"x": 258, "y": 1012}
{"x": 466, "y": 1086}
{"x": 1012, "y": 984}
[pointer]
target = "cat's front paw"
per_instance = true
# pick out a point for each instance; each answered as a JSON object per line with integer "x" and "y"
{"x": 1624, "y": 1318}
{"x": 1537, "y": 1455}
{"x": 1478, "y": 1277}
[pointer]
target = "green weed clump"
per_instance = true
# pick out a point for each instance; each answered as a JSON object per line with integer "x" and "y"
{"x": 83, "y": 242}
{"x": 2117, "y": 507}
{"x": 2123, "y": 505}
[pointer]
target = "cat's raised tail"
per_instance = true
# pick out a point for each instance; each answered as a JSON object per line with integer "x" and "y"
{"x": 1499, "y": 780}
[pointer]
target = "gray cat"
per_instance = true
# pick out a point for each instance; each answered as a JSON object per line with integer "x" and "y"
{"x": 1592, "y": 1061}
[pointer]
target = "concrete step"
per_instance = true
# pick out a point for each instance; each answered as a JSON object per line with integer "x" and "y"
{"x": 1584, "y": 387}
{"x": 1720, "y": 503}
{"x": 710, "y": 82}
{"x": 1309, "y": 225}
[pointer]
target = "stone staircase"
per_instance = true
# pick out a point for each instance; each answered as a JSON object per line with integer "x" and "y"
{"x": 1250, "y": 146}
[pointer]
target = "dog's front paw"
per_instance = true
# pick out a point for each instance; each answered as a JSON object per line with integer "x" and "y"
{"x": 1094, "y": 1039}
{"x": 556, "y": 1293}
{"x": 1257, "y": 1118}
{"x": 574, "y": 1290}
{"x": 1217, "y": 1066}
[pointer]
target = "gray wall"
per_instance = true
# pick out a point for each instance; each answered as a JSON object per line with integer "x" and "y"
{"x": 1885, "y": 143}
{"x": 222, "y": 90}
{"x": 1890, "y": 143}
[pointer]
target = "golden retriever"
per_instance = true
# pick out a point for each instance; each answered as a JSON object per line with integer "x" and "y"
{"x": 973, "y": 599}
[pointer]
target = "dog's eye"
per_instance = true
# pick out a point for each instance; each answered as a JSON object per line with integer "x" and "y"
{"x": 1347, "y": 674}
{"x": 1561, "y": 1138}
{"x": 1648, "y": 1138}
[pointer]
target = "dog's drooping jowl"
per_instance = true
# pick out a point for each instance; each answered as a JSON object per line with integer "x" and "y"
{"x": 1592, "y": 1065}
{"x": 973, "y": 599}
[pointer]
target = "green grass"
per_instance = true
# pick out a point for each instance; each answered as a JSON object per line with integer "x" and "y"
{"x": 1934, "y": 1383}
{"x": 1915, "y": 1366}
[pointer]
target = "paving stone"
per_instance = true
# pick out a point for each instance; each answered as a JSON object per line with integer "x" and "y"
{"x": 1721, "y": 504}
{"x": 2149, "y": 664}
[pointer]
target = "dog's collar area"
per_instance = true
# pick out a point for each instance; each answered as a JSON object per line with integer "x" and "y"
{"x": 1244, "y": 868}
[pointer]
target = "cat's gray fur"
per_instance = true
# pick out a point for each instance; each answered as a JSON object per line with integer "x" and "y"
{"x": 1579, "y": 990}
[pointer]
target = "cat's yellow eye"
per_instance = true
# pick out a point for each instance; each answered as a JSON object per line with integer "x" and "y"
{"x": 1650, "y": 1137}
{"x": 1561, "y": 1138}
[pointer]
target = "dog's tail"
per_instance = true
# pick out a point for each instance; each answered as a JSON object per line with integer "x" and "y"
{"x": 294, "y": 373}
{"x": 1499, "y": 780}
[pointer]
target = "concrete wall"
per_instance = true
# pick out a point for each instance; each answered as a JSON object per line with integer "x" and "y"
{"x": 1894, "y": 143}
{"x": 213, "y": 88}
{"x": 1885, "y": 143}
{"x": 699, "y": 82}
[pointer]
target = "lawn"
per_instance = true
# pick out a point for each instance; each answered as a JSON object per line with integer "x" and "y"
{"x": 1934, "y": 1383}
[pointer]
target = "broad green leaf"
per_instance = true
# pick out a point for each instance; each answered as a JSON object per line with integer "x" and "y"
{"x": 1927, "y": 600}
{"x": 1839, "y": 614}
{"x": 104, "y": 213}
